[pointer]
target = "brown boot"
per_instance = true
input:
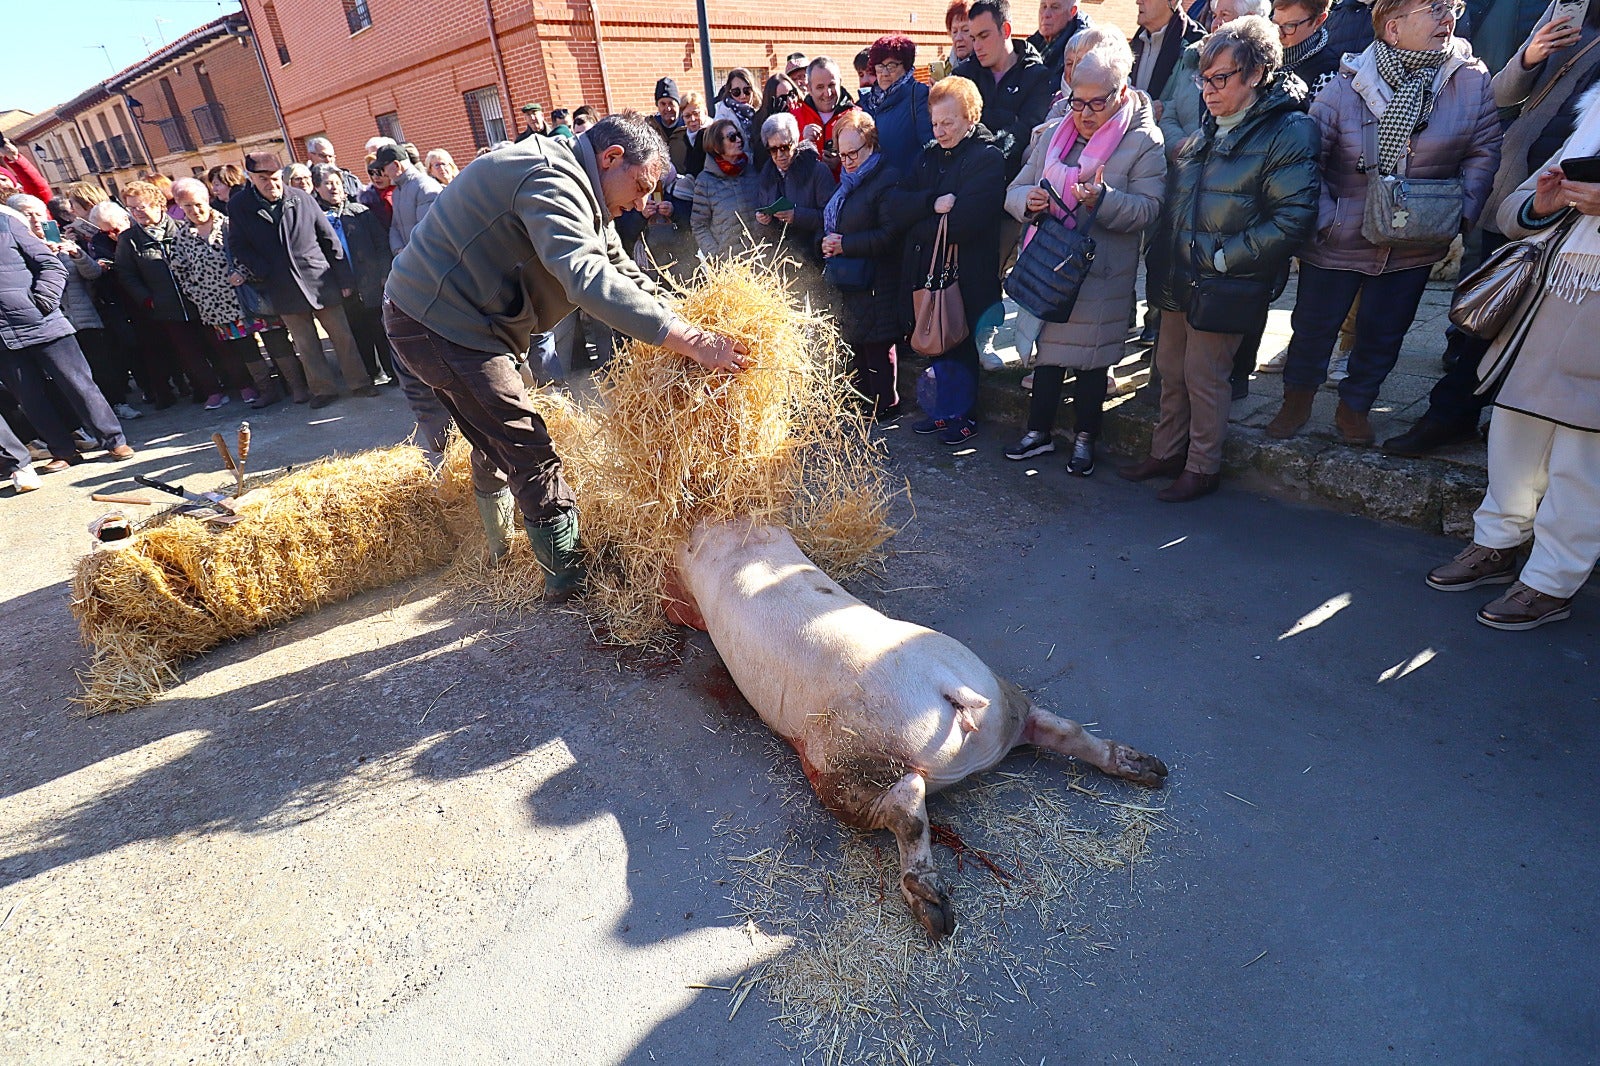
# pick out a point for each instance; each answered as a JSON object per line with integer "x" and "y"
{"x": 1189, "y": 486}
{"x": 1153, "y": 467}
{"x": 1293, "y": 415}
{"x": 267, "y": 391}
{"x": 294, "y": 376}
{"x": 1352, "y": 425}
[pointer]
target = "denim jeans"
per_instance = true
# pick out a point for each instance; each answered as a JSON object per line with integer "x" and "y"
{"x": 484, "y": 393}
{"x": 23, "y": 370}
{"x": 1388, "y": 306}
{"x": 13, "y": 453}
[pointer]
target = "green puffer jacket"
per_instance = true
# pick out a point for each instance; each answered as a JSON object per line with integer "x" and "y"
{"x": 1257, "y": 189}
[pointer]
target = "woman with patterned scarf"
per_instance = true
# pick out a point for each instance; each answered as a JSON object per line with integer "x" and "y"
{"x": 1306, "y": 51}
{"x": 1416, "y": 104}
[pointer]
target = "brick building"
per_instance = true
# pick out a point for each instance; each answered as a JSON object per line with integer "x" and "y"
{"x": 452, "y": 73}
{"x": 202, "y": 100}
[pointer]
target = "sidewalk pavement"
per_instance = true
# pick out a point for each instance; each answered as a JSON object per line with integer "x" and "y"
{"x": 1437, "y": 494}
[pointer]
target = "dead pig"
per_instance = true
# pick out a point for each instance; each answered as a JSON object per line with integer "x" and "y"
{"x": 881, "y": 712}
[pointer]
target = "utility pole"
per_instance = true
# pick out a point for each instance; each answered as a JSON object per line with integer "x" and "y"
{"x": 705, "y": 56}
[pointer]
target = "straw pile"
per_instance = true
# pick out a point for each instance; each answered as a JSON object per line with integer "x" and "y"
{"x": 667, "y": 444}
{"x": 322, "y": 534}
{"x": 862, "y": 984}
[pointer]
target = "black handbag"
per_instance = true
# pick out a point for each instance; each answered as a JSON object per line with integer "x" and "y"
{"x": 850, "y": 273}
{"x": 1051, "y": 269}
{"x": 254, "y": 301}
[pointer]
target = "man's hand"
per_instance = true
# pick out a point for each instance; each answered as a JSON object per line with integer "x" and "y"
{"x": 711, "y": 350}
{"x": 786, "y": 217}
{"x": 763, "y": 218}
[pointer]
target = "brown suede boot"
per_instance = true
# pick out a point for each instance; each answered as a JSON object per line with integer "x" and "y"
{"x": 294, "y": 376}
{"x": 1293, "y": 415}
{"x": 267, "y": 391}
{"x": 1153, "y": 467}
{"x": 1352, "y": 425}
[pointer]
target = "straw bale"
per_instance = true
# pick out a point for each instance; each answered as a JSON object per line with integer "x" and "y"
{"x": 322, "y": 534}
{"x": 667, "y": 444}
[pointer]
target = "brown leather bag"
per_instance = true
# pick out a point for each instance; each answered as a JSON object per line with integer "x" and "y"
{"x": 940, "y": 317}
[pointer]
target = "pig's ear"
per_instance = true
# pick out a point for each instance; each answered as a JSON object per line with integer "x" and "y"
{"x": 964, "y": 698}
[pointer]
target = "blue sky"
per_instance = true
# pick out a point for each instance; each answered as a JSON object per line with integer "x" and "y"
{"x": 52, "y": 52}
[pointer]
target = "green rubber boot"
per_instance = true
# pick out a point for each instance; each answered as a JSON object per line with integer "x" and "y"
{"x": 499, "y": 516}
{"x": 555, "y": 545}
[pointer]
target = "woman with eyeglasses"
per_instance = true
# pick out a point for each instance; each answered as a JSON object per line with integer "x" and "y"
{"x": 796, "y": 173}
{"x": 1308, "y": 51}
{"x": 1241, "y": 198}
{"x": 725, "y": 192}
{"x": 1106, "y": 157}
{"x": 1415, "y": 105}
{"x": 959, "y": 178}
{"x": 900, "y": 104}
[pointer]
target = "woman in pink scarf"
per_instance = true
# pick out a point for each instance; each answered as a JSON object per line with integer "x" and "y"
{"x": 1105, "y": 153}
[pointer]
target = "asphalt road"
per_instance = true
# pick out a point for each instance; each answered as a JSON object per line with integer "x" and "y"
{"x": 399, "y": 831}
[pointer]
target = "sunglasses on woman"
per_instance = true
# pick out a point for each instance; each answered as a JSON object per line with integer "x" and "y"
{"x": 738, "y": 90}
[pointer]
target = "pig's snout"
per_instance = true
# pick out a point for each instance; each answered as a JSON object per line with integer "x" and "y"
{"x": 679, "y": 603}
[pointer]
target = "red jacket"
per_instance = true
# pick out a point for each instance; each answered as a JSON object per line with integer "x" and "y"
{"x": 806, "y": 114}
{"x": 25, "y": 174}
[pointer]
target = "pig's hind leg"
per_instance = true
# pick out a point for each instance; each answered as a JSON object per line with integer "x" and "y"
{"x": 902, "y": 809}
{"x": 1066, "y": 737}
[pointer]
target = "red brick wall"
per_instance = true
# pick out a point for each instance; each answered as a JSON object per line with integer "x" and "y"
{"x": 235, "y": 78}
{"x": 418, "y": 59}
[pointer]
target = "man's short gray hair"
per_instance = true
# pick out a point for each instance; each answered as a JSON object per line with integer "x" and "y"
{"x": 783, "y": 122}
{"x": 109, "y": 211}
{"x": 1095, "y": 37}
{"x": 829, "y": 65}
{"x": 640, "y": 143}
{"x": 22, "y": 201}
{"x": 1253, "y": 7}
{"x": 193, "y": 185}
{"x": 319, "y": 144}
{"x": 374, "y": 143}
{"x": 1252, "y": 42}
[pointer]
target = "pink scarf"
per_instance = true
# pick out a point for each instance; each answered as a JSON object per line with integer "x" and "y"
{"x": 1063, "y": 177}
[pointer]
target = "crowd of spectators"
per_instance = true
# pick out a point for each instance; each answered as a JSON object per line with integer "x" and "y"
{"x": 1224, "y": 145}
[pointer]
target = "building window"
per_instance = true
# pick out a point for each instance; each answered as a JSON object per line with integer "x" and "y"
{"x": 102, "y": 156}
{"x": 209, "y": 122}
{"x": 119, "y": 151}
{"x": 88, "y": 159}
{"x": 484, "y": 115}
{"x": 274, "y": 27}
{"x": 389, "y": 126}
{"x": 356, "y": 15}
{"x": 175, "y": 135}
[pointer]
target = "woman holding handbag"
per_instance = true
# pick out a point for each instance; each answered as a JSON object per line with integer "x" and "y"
{"x": 951, "y": 203}
{"x": 862, "y": 249}
{"x": 1241, "y": 198}
{"x": 1410, "y": 144}
{"x": 1544, "y": 439}
{"x": 1105, "y": 156}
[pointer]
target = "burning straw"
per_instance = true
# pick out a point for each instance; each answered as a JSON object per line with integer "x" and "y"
{"x": 321, "y": 534}
{"x": 668, "y": 444}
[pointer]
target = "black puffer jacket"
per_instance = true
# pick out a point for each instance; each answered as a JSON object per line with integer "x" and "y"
{"x": 867, "y": 230}
{"x": 1015, "y": 104}
{"x": 1251, "y": 192}
{"x": 974, "y": 171}
{"x": 145, "y": 273}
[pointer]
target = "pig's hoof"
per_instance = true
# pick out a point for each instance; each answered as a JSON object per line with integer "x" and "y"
{"x": 929, "y": 903}
{"x": 1136, "y": 766}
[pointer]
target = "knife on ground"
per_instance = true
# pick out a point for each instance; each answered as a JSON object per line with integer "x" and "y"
{"x": 204, "y": 499}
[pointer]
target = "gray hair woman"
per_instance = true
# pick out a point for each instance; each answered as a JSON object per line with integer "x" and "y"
{"x": 1104, "y": 156}
{"x": 1241, "y": 199}
{"x": 794, "y": 172}
{"x": 1416, "y": 104}
{"x": 299, "y": 175}
{"x": 1181, "y": 108}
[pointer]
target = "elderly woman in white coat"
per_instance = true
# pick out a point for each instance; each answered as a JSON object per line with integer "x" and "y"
{"x": 1544, "y": 441}
{"x": 1105, "y": 155}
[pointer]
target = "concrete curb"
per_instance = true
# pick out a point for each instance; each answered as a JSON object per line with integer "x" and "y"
{"x": 1433, "y": 495}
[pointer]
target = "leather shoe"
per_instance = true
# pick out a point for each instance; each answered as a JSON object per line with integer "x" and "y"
{"x": 1153, "y": 468}
{"x": 1353, "y": 426}
{"x": 1427, "y": 435}
{"x": 120, "y": 452}
{"x": 1523, "y": 607}
{"x": 321, "y": 401}
{"x": 1293, "y": 415}
{"x": 1189, "y": 486}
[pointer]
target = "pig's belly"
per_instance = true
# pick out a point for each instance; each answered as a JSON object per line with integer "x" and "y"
{"x": 847, "y": 685}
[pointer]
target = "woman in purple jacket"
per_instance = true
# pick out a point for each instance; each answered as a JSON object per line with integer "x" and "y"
{"x": 1415, "y": 104}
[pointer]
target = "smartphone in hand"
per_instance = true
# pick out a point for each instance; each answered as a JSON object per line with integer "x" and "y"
{"x": 52, "y": 231}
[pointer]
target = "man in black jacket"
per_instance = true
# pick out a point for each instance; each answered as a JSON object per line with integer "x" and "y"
{"x": 1058, "y": 21}
{"x": 1164, "y": 30}
{"x": 1015, "y": 86}
{"x": 284, "y": 240}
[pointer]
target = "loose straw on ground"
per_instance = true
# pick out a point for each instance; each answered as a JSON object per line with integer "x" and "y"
{"x": 668, "y": 444}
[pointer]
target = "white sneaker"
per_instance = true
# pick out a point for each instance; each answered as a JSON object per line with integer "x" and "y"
{"x": 127, "y": 412}
{"x": 1339, "y": 369}
{"x": 24, "y": 480}
{"x": 1275, "y": 364}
